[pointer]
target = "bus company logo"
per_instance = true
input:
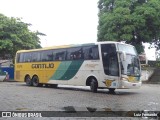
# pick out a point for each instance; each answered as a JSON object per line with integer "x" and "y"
{"x": 6, "y": 114}
{"x": 36, "y": 66}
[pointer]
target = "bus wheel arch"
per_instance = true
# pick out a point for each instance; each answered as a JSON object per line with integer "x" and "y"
{"x": 27, "y": 80}
{"x": 35, "y": 81}
{"x": 93, "y": 83}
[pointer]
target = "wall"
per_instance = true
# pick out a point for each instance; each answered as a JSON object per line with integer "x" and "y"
{"x": 146, "y": 74}
{"x": 155, "y": 78}
{"x": 10, "y": 71}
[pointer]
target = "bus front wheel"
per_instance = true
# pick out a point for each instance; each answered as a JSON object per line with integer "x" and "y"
{"x": 35, "y": 81}
{"x": 93, "y": 85}
{"x": 111, "y": 90}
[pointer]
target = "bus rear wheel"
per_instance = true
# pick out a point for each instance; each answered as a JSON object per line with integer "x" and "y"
{"x": 28, "y": 80}
{"x": 93, "y": 85}
{"x": 35, "y": 81}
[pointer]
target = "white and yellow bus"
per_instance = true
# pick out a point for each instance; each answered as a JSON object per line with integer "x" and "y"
{"x": 110, "y": 65}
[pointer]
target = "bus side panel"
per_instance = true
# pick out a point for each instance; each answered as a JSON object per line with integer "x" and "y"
{"x": 23, "y": 69}
{"x": 65, "y": 72}
{"x": 57, "y": 69}
{"x": 76, "y": 72}
{"x": 89, "y": 68}
{"x": 44, "y": 70}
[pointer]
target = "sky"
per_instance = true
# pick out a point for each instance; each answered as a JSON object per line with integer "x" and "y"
{"x": 150, "y": 52}
{"x": 63, "y": 21}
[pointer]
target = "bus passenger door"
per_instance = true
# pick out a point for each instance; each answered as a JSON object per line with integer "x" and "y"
{"x": 110, "y": 65}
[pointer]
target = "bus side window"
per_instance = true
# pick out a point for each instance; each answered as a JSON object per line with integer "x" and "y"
{"x": 36, "y": 57}
{"x": 60, "y": 54}
{"x": 27, "y": 57}
{"x": 18, "y": 58}
{"x": 54, "y": 55}
{"x": 95, "y": 52}
{"x": 46, "y": 55}
{"x": 86, "y": 52}
{"x": 74, "y": 53}
{"x": 91, "y": 52}
{"x": 21, "y": 57}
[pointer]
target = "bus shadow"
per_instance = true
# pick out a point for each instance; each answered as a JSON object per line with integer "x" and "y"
{"x": 99, "y": 91}
{"x": 87, "y": 89}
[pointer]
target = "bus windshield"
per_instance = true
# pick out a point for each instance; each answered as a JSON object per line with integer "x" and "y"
{"x": 127, "y": 49}
{"x": 130, "y": 66}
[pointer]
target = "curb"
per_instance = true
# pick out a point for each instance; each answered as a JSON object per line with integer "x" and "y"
{"x": 150, "y": 82}
{"x": 10, "y": 80}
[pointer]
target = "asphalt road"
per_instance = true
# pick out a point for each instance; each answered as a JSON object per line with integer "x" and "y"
{"x": 15, "y": 96}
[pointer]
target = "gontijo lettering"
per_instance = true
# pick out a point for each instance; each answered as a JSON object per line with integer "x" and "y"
{"x": 36, "y": 66}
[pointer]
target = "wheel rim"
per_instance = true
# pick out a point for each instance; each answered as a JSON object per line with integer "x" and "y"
{"x": 28, "y": 80}
{"x": 35, "y": 81}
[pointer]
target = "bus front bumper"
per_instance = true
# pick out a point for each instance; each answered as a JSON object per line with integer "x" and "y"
{"x": 131, "y": 85}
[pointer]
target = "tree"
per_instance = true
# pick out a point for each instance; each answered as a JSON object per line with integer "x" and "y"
{"x": 133, "y": 21}
{"x": 15, "y": 35}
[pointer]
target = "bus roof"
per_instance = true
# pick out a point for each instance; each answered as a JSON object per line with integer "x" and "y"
{"x": 72, "y": 45}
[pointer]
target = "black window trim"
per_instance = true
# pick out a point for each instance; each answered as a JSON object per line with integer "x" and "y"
{"x": 66, "y": 52}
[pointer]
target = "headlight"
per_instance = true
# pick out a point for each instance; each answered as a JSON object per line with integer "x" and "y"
{"x": 124, "y": 78}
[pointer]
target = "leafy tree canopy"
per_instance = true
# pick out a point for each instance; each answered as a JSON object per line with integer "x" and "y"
{"x": 133, "y": 21}
{"x": 15, "y": 35}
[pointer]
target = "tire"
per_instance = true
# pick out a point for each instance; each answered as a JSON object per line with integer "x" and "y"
{"x": 112, "y": 90}
{"x": 35, "y": 81}
{"x": 93, "y": 85}
{"x": 28, "y": 81}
